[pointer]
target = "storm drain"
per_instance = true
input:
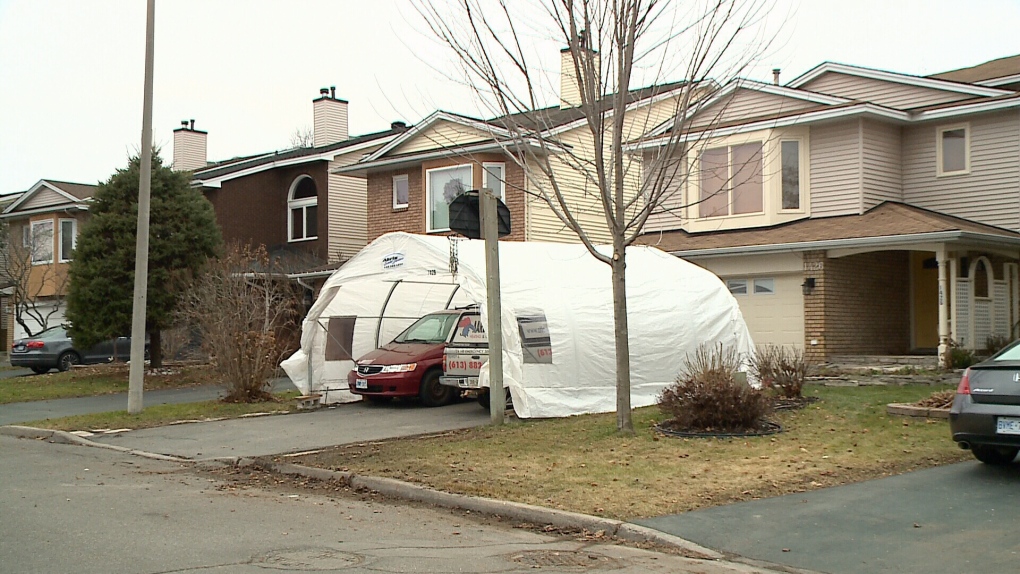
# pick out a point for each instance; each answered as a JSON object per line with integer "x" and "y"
{"x": 563, "y": 559}
{"x": 308, "y": 559}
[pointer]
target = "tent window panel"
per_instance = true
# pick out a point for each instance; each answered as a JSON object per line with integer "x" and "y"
{"x": 340, "y": 338}
{"x": 536, "y": 346}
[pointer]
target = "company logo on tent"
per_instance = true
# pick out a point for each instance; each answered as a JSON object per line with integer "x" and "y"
{"x": 393, "y": 260}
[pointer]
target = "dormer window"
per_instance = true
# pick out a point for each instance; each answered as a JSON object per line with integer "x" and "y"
{"x": 303, "y": 206}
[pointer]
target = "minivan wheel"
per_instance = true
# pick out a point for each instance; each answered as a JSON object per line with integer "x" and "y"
{"x": 67, "y": 359}
{"x": 997, "y": 455}
{"x": 432, "y": 393}
{"x": 483, "y": 399}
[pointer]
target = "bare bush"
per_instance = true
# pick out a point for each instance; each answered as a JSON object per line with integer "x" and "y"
{"x": 240, "y": 308}
{"x": 779, "y": 368}
{"x": 708, "y": 397}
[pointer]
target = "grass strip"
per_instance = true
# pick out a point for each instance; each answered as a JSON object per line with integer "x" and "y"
{"x": 97, "y": 380}
{"x": 581, "y": 464}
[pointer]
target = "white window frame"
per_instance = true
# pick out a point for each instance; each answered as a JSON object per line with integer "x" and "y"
{"x": 802, "y": 159}
{"x": 770, "y": 292}
{"x": 403, "y": 178}
{"x": 41, "y": 223}
{"x": 501, "y": 192}
{"x": 303, "y": 204}
{"x": 939, "y": 151}
{"x": 732, "y": 283}
{"x": 728, "y": 146}
{"x": 60, "y": 239}
{"x": 428, "y": 192}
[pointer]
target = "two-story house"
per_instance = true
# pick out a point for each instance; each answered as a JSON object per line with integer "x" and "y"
{"x": 43, "y": 224}
{"x": 289, "y": 200}
{"x": 412, "y": 179}
{"x": 855, "y": 211}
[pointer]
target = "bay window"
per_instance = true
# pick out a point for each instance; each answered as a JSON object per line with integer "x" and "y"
{"x": 442, "y": 186}
{"x": 42, "y": 242}
{"x": 731, "y": 180}
{"x": 790, "y": 165}
{"x": 68, "y": 238}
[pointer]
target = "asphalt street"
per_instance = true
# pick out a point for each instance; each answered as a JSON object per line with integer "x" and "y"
{"x": 956, "y": 518}
{"x": 95, "y": 511}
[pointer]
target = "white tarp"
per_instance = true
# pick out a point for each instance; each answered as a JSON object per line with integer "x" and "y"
{"x": 673, "y": 307}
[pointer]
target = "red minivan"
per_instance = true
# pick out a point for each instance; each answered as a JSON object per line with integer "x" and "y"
{"x": 411, "y": 364}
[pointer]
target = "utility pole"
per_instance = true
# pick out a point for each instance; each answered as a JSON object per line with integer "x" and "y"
{"x": 135, "y": 379}
{"x": 490, "y": 233}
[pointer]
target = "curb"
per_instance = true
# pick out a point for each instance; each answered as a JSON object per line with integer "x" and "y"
{"x": 64, "y": 437}
{"x": 502, "y": 508}
{"x": 400, "y": 489}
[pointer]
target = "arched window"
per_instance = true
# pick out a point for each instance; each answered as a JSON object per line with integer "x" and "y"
{"x": 981, "y": 278}
{"x": 303, "y": 205}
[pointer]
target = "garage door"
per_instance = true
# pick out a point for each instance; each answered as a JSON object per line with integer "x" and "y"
{"x": 773, "y": 307}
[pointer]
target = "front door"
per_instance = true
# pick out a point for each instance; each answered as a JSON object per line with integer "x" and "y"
{"x": 924, "y": 279}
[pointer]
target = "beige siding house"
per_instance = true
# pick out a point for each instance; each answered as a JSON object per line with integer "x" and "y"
{"x": 412, "y": 178}
{"x": 43, "y": 225}
{"x": 882, "y": 216}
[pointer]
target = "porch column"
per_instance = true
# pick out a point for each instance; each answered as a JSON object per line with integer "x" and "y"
{"x": 943, "y": 262}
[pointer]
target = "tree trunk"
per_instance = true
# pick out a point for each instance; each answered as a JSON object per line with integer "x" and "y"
{"x": 155, "y": 350}
{"x": 622, "y": 336}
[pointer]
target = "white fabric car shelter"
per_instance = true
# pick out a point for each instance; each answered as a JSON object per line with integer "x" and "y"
{"x": 673, "y": 307}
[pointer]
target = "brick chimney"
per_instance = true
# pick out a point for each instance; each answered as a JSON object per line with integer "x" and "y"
{"x": 570, "y": 90}
{"x": 189, "y": 147}
{"x": 329, "y": 122}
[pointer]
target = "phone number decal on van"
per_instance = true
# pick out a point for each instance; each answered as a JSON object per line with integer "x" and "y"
{"x": 464, "y": 365}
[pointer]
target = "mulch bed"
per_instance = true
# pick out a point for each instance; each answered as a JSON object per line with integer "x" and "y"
{"x": 764, "y": 428}
{"x": 791, "y": 403}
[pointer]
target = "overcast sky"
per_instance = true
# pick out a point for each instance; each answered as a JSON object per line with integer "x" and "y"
{"x": 247, "y": 70}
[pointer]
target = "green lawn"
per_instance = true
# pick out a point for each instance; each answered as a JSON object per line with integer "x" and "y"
{"x": 96, "y": 380}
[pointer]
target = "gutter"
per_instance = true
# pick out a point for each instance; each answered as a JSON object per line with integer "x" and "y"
{"x": 889, "y": 240}
{"x": 363, "y": 168}
{"x": 47, "y": 209}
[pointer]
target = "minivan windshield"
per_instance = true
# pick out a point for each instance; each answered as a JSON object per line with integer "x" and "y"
{"x": 429, "y": 329}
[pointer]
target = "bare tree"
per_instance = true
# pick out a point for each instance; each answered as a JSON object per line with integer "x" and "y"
{"x": 590, "y": 177}
{"x": 244, "y": 309}
{"x": 38, "y": 284}
{"x": 302, "y": 137}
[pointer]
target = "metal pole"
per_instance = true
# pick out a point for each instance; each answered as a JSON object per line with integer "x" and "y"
{"x": 135, "y": 379}
{"x": 487, "y": 211}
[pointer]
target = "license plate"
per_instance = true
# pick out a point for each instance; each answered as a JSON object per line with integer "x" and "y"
{"x": 361, "y": 384}
{"x": 1007, "y": 425}
{"x": 470, "y": 383}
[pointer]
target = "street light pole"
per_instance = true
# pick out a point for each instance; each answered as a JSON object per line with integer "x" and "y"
{"x": 135, "y": 379}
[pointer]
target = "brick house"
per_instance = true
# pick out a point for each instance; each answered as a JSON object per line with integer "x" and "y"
{"x": 43, "y": 224}
{"x": 855, "y": 211}
{"x": 289, "y": 200}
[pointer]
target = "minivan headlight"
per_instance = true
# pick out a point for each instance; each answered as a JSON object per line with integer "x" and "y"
{"x": 405, "y": 368}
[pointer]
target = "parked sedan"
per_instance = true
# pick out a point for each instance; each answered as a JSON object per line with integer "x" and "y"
{"x": 53, "y": 349}
{"x": 985, "y": 416}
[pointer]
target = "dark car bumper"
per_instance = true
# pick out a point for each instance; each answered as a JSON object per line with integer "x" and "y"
{"x": 386, "y": 384}
{"x": 974, "y": 423}
{"x": 31, "y": 360}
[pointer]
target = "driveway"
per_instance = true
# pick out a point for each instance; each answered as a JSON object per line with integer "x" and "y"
{"x": 263, "y": 436}
{"x": 957, "y": 518}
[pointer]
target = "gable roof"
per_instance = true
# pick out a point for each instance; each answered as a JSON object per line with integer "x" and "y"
{"x": 894, "y": 77}
{"x": 738, "y": 84}
{"x": 879, "y": 224}
{"x": 551, "y": 120}
{"x": 75, "y": 193}
{"x": 213, "y": 175}
{"x": 1008, "y": 67}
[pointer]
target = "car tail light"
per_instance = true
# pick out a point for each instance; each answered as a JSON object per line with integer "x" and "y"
{"x": 35, "y": 345}
{"x": 964, "y": 387}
